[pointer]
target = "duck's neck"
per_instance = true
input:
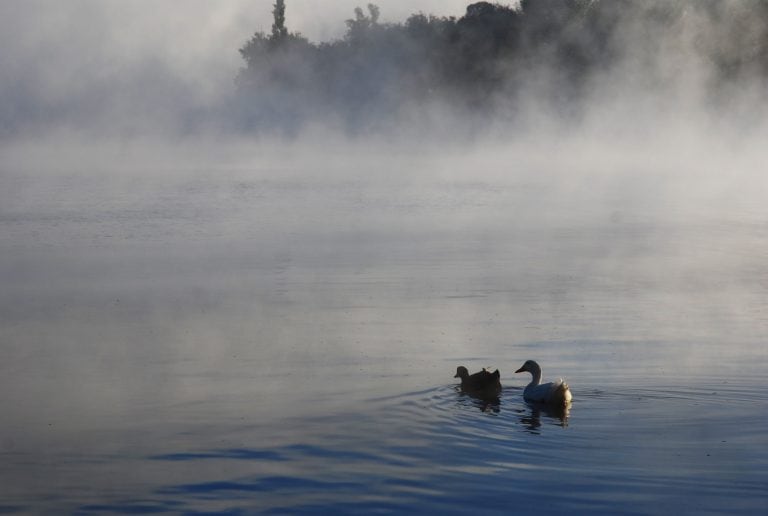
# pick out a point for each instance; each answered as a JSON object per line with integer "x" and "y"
{"x": 536, "y": 372}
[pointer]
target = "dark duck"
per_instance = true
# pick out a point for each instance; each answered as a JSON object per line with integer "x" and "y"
{"x": 483, "y": 384}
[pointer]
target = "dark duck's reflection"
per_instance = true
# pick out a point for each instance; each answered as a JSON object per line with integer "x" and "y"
{"x": 484, "y": 404}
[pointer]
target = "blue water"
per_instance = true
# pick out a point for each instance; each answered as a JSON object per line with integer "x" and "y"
{"x": 251, "y": 340}
{"x": 627, "y": 450}
{"x": 455, "y": 453}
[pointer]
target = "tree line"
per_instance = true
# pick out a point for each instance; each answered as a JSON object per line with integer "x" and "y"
{"x": 560, "y": 51}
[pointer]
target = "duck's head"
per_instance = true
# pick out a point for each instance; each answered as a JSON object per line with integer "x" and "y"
{"x": 461, "y": 372}
{"x": 529, "y": 366}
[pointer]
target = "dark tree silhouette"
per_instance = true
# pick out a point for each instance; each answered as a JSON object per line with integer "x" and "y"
{"x": 493, "y": 54}
{"x": 279, "y": 31}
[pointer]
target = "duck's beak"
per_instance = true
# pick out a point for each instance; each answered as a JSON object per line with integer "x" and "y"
{"x": 456, "y": 375}
{"x": 521, "y": 370}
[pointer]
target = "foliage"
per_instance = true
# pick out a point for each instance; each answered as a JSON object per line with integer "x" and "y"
{"x": 279, "y": 31}
{"x": 494, "y": 53}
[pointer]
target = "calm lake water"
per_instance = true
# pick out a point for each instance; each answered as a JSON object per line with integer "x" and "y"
{"x": 278, "y": 331}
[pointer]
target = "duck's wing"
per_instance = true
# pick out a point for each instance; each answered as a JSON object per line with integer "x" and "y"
{"x": 537, "y": 393}
{"x": 552, "y": 393}
{"x": 483, "y": 380}
{"x": 480, "y": 375}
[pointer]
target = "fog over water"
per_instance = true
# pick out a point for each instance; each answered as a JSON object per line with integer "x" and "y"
{"x": 198, "y": 317}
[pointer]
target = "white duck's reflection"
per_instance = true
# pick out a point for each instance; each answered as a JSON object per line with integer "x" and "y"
{"x": 531, "y": 416}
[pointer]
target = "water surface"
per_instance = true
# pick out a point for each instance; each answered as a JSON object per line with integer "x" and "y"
{"x": 280, "y": 337}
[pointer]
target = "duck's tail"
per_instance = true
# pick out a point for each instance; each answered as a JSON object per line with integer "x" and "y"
{"x": 562, "y": 395}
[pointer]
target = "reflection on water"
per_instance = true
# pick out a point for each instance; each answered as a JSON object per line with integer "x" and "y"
{"x": 244, "y": 342}
{"x": 532, "y": 419}
{"x": 488, "y": 404}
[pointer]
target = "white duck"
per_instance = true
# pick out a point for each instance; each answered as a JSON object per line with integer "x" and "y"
{"x": 553, "y": 393}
